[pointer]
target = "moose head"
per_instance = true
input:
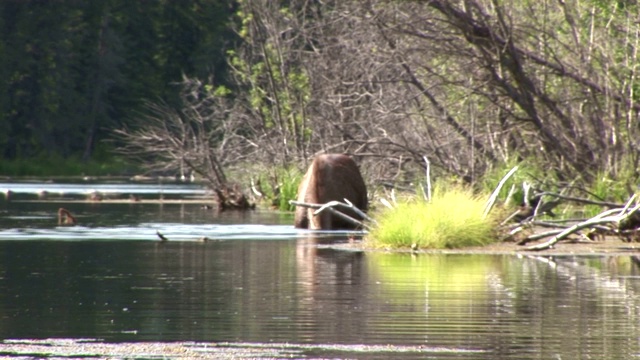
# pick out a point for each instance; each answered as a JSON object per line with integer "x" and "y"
{"x": 330, "y": 177}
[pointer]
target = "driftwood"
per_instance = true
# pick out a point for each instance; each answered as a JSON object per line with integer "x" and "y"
{"x": 331, "y": 207}
{"x": 494, "y": 195}
{"x": 164, "y": 239}
{"x": 603, "y": 218}
{"x": 65, "y": 217}
{"x": 232, "y": 198}
{"x": 621, "y": 220}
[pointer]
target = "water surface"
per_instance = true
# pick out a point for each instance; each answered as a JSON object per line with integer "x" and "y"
{"x": 261, "y": 289}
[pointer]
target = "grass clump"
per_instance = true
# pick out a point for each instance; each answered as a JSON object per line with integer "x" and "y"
{"x": 454, "y": 218}
{"x": 278, "y": 185}
{"x": 290, "y": 179}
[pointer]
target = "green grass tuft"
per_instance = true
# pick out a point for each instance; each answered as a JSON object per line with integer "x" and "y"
{"x": 290, "y": 179}
{"x": 454, "y": 218}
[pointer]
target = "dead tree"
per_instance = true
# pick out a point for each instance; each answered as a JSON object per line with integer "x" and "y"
{"x": 199, "y": 139}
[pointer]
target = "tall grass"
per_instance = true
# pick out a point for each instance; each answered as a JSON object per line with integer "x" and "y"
{"x": 454, "y": 218}
{"x": 608, "y": 188}
{"x": 278, "y": 185}
{"x": 290, "y": 179}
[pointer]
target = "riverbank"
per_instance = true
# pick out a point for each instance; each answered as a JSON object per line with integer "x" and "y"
{"x": 610, "y": 246}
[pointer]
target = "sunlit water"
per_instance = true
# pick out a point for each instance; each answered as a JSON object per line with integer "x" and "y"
{"x": 258, "y": 283}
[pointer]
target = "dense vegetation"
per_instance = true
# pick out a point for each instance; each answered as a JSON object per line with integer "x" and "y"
{"x": 72, "y": 71}
{"x": 472, "y": 86}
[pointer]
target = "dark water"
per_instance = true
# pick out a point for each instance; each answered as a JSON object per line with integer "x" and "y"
{"x": 261, "y": 283}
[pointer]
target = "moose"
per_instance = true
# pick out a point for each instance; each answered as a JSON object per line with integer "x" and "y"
{"x": 331, "y": 177}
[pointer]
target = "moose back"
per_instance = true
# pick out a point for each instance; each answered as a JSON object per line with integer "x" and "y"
{"x": 330, "y": 177}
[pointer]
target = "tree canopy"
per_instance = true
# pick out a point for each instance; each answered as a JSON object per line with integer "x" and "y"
{"x": 467, "y": 84}
{"x": 72, "y": 71}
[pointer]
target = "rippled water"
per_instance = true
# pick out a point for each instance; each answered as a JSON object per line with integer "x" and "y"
{"x": 261, "y": 289}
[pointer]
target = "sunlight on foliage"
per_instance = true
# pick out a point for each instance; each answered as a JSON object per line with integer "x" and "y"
{"x": 454, "y": 218}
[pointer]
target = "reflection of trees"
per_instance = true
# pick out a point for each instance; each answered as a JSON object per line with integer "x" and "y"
{"x": 571, "y": 307}
{"x": 230, "y": 292}
{"x": 515, "y": 306}
{"x": 298, "y": 292}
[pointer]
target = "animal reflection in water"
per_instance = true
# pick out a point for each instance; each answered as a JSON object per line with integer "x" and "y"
{"x": 320, "y": 269}
{"x": 65, "y": 217}
{"x": 331, "y": 177}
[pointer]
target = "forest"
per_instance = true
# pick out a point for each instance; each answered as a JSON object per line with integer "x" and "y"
{"x": 470, "y": 86}
{"x": 73, "y": 71}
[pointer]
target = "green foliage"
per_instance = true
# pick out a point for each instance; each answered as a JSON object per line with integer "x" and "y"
{"x": 526, "y": 173}
{"x": 607, "y": 188}
{"x": 281, "y": 187}
{"x": 275, "y": 83}
{"x": 72, "y": 71}
{"x": 290, "y": 179}
{"x": 454, "y": 218}
{"x": 54, "y": 165}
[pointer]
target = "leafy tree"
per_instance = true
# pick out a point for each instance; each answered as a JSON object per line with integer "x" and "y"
{"x": 468, "y": 85}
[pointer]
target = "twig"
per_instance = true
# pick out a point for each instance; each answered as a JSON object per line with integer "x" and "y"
{"x": 582, "y": 200}
{"x": 566, "y": 232}
{"x": 361, "y": 213}
{"x": 255, "y": 190}
{"x": 386, "y": 203}
{"x": 162, "y": 237}
{"x": 540, "y": 235}
{"x": 330, "y": 207}
{"x": 628, "y": 204}
{"x": 428, "y": 176}
{"x": 494, "y": 195}
{"x": 599, "y": 219}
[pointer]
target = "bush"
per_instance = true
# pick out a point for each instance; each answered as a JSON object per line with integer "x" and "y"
{"x": 454, "y": 218}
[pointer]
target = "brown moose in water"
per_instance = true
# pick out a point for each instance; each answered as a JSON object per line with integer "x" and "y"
{"x": 330, "y": 177}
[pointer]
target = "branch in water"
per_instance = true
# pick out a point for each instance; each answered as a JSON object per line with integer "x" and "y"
{"x": 331, "y": 205}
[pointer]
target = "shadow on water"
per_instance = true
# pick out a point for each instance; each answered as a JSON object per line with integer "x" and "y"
{"x": 262, "y": 289}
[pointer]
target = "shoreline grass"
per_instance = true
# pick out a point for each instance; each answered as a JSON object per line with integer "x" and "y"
{"x": 454, "y": 218}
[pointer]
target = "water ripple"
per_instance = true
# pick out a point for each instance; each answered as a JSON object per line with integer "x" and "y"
{"x": 173, "y": 231}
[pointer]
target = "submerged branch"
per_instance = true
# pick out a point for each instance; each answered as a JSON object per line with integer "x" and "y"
{"x": 331, "y": 207}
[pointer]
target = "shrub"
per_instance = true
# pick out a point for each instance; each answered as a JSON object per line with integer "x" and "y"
{"x": 454, "y": 218}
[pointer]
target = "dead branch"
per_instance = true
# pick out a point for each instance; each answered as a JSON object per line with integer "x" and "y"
{"x": 331, "y": 207}
{"x": 581, "y": 200}
{"x": 600, "y": 219}
{"x": 496, "y": 191}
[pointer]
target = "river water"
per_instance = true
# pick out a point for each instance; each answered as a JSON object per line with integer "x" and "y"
{"x": 258, "y": 288}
